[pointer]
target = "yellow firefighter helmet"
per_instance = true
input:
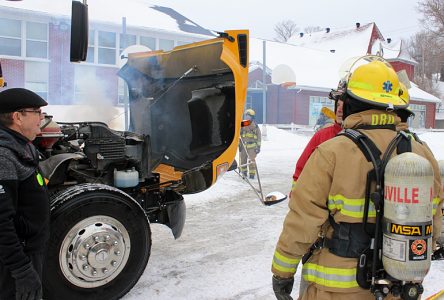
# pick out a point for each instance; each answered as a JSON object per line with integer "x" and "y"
{"x": 404, "y": 93}
{"x": 250, "y": 112}
{"x": 376, "y": 83}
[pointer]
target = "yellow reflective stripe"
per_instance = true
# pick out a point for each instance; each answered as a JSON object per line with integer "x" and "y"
{"x": 284, "y": 264}
{"x": 349, "y": 206}
{"x": 330, "y": 277}
{"x": 435, "y": 203}
{"x": 277, "y": 265}
{"x": 250, "y": 135}
{"x": 293, "y": 184}
{"x": 252, "y": 145}
{"x": 360, "y": 85}
{"x": 286, "y": 259}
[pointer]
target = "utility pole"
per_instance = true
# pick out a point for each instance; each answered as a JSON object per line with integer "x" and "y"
{"x": 264, "y": 91}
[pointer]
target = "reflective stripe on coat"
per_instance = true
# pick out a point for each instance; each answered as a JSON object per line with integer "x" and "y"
{"x": 333, "y": 182}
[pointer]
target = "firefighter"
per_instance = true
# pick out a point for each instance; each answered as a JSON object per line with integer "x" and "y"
{"x": 324, "y": 120}
{"x": 24, "y": 203}
{"x": 251, "y": 140}
{"x": 330, "y": 193}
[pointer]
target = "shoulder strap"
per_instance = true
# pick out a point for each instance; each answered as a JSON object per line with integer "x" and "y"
{"x": 365, "y": 144}
{"x": 405, "y": 143}
{"x": 373, "y": 155}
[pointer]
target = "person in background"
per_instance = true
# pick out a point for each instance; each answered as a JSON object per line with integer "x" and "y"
{"x": 329, "y": 196}
{"x": 250, "y": 145}
{"x": 319, "y": 137}
{"x": 325, "y": 119}
{"x": 24, "y": 203}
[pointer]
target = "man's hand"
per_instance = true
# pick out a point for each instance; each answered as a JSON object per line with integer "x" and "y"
{"x": 282, "y": 287}
{"x": 257, "y": 150}
{"x": 27, "y": 283}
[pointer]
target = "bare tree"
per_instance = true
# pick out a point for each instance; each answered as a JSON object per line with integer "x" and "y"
{"x": 285, "y": 30}
{"x": 425, "y": 48}
{"x": 433, "y": 16}
{"x": 432, "y": 40}
{"x": 311, "y": 29}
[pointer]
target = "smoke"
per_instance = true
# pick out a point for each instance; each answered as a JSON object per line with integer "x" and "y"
{"x": 93, "y": 103}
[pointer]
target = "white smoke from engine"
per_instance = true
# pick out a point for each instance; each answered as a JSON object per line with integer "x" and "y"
{"x": 93, "y": 104}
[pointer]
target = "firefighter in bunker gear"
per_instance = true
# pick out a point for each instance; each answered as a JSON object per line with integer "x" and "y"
{"x": 250, "y": 145}
{"x": 332, "y": 185}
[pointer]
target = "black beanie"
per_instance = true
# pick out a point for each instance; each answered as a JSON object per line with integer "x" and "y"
{"x": 17, "y": 98}
{"x": 353, "y": 106}
{"x": 404, "y": 114}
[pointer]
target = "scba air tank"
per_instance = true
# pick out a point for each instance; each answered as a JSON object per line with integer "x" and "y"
{"x": 407, "y": 223}
{"x": 441, "y": 170}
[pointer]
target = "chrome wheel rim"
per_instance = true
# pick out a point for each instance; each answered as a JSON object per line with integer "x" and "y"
{"x": 94, "y": 251}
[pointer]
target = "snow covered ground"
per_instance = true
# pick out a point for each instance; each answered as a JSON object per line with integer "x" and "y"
{"x": 228, "y": 242}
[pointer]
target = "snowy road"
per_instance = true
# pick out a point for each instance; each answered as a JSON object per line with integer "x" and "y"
{"x": 228, "y": 242}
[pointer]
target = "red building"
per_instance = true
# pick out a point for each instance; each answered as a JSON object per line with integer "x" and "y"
{"x": 35, "y": 46}
{"x": 316, "y": 60}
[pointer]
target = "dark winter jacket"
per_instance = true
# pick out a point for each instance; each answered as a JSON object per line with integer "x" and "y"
{"x": 24, "y": 203}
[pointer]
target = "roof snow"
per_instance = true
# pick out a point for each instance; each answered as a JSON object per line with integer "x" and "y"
{"x": 138, "y": 13}
{"x": 347, "y": 42}
{"x": 393, "y": 50}
{"x": 316, "y": 66}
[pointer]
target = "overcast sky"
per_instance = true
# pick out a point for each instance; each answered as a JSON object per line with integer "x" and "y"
{"x": 395, "y": 18}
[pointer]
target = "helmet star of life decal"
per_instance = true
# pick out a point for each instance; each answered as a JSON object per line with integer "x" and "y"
{"x": 387, "y": 86}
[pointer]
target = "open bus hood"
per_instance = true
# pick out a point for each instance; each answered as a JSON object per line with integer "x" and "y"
{"x": 190, "y": 101}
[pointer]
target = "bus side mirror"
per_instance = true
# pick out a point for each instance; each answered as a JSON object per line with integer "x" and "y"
{"x": 79, "y": 31}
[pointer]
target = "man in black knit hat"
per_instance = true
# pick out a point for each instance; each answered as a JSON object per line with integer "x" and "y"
{"x": 24, "y": 204}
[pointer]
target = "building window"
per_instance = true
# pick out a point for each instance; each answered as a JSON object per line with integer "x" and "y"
{"x": 91, "y": 43}
{"x": 249, "y": 102}
{"x": 148, "y": 41}
{"x": 10, "y": 37}
{"x": 36, "y": 77}
{"x": 107, "y": 48}
{"x": 316, "y": 104}
{"x": 126, "y": 40}
{"x": 84, "y": 79}
{"x": 418, "y": 121}
{"x": 166, "y": 44}
{"x": 36, "y": 40}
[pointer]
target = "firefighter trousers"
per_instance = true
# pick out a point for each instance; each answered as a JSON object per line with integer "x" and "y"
{"x": 244, "y": 160}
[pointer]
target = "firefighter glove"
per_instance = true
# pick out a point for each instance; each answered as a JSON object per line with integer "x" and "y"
{"x": 282, "y": 287}
{"x": 27, "y": 283}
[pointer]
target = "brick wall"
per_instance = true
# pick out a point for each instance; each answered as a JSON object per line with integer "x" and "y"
{"x": 61, "y": 70}
{"x": 13, "y": 72}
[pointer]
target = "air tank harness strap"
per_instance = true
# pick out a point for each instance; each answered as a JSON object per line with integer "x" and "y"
{"x": 369, "y": 259}
{"x": 352, "y": 239}
{"x": 349, "y": 240}
{"x": 319, "y": 244}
